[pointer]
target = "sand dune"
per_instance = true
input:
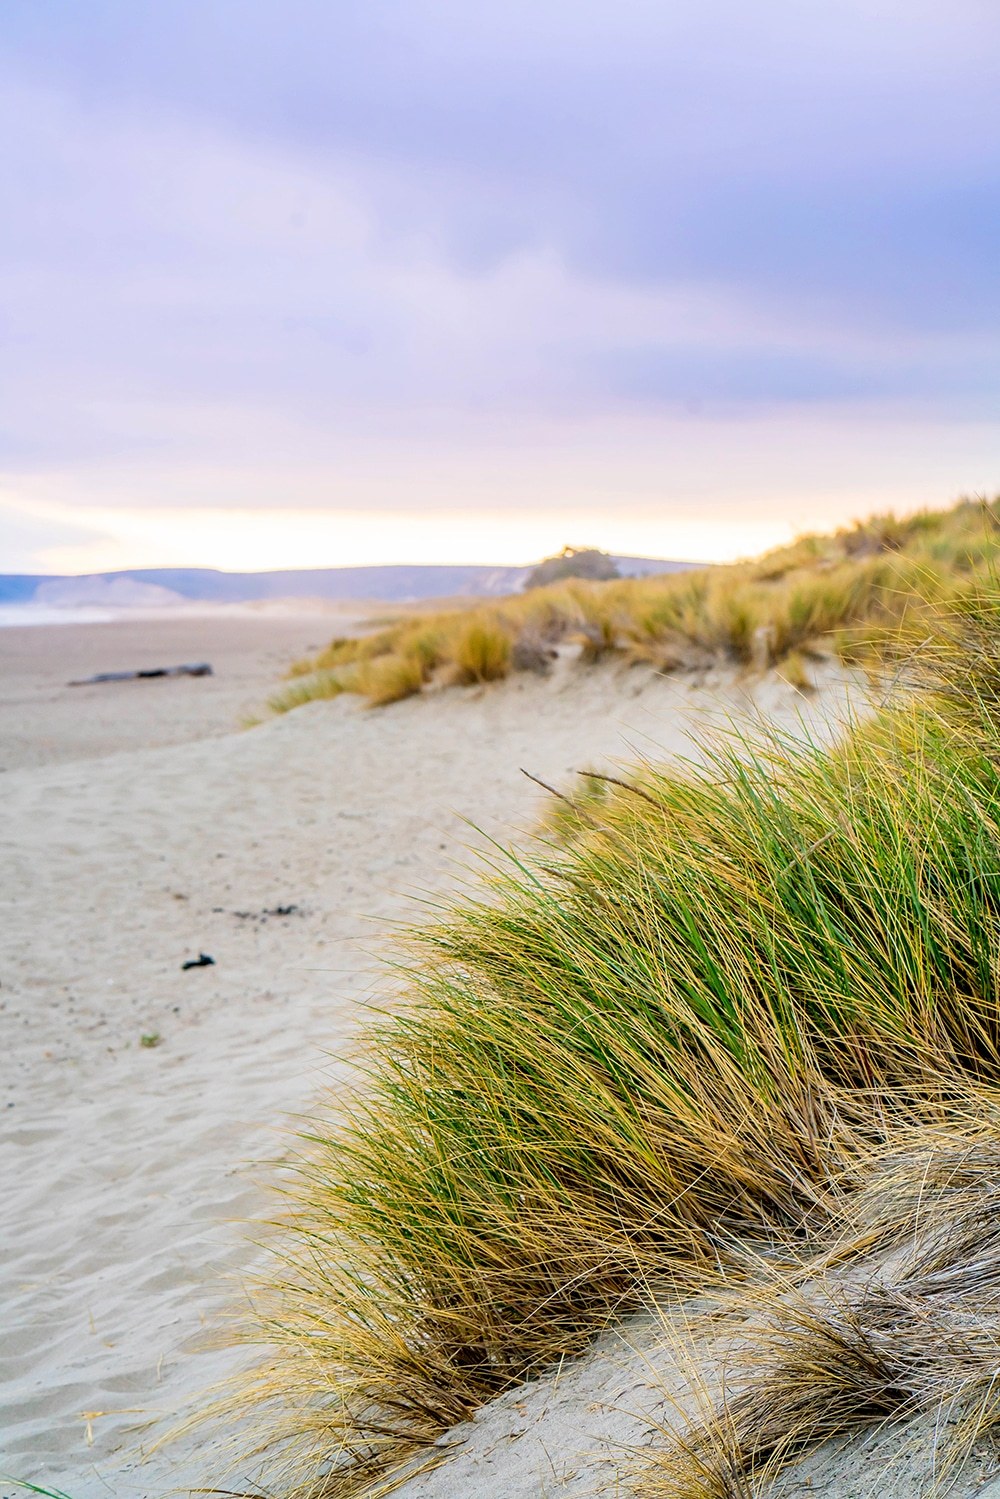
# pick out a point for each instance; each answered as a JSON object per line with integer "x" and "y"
{"x": 285, "y": 852}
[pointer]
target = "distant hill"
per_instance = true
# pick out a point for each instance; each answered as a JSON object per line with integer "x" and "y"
{"x": 156, "y": 587}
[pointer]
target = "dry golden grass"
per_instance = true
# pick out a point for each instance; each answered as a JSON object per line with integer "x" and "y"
{"x": 314, "y": 687}
{"x": 388, "y": 679}
{"x": 896, "y": 1318}
{"x": 480, "y": 650}
{"x": 855, "y": 593}
{"x": 795, "y": 669}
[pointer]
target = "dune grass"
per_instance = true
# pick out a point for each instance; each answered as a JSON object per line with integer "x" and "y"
{"x": 816, "y": 1353}
{"x": 681, "y": 1024}
{"x": 852, "y": 594}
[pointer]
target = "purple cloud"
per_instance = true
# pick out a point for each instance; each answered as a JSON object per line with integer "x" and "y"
{"x": 243, "y": 232}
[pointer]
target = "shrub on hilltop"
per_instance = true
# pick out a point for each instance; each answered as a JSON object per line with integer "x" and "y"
{"x": 573, "y": 562}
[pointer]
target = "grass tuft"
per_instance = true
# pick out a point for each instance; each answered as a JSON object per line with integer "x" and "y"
{"x": 480, "y": 651}
{"x": 388, "y": 679}
{"x": 795, "y": 671}
{"x": 316, "y": 687}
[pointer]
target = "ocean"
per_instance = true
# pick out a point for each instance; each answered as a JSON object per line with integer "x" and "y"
{"x": 50, "y": 614}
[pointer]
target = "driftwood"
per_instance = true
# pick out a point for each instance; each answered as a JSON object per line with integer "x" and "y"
{"x": 194, "y": 669}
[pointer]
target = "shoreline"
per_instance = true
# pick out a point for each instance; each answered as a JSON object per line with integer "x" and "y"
{"x": 32, "y": 616}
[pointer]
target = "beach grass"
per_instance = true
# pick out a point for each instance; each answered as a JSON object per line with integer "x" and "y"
{"x": 815, "y": 1352}
{"x": 852, "y": 594}
{"x": 681, "y": 1024}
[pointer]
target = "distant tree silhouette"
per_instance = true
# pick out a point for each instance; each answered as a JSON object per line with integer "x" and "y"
{"x": 573, "y": 562}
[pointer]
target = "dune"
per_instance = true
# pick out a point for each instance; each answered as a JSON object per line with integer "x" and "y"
{"x": 592, "y": 1429}
{"x": 144, "y": 1101}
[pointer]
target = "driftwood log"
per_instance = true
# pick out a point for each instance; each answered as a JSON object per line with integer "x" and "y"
{"x": 193, "y": 669}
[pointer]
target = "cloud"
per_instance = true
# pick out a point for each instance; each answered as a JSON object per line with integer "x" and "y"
{"x": 300, "y": 246}
{"x": 648, "y": 140}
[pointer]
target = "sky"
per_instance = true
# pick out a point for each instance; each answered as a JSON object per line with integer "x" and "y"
{"x": 331, "y": 282}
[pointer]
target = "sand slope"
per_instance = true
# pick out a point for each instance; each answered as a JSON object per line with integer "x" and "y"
{"x": 127, "y": 1169}
{"x": 574, "y": 1432}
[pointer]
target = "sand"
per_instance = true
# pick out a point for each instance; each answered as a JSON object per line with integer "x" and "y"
{"x": 249, "y": 647}
{"x": 141, "y": 827}
{"x": 576, "y": 1431}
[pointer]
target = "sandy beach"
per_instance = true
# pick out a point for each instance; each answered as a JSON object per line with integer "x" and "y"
{"x": 41, "y": 723}
{"x": 142, "y": 1101}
